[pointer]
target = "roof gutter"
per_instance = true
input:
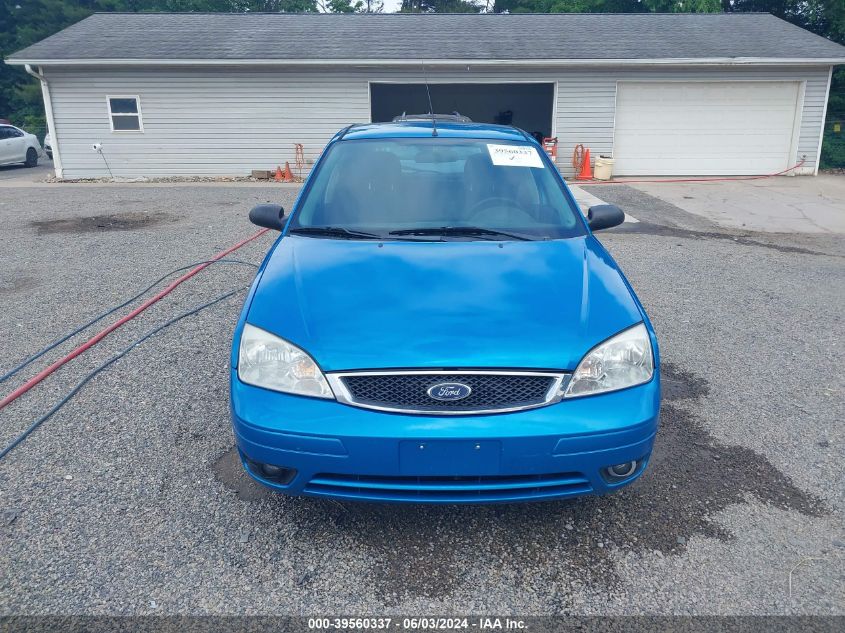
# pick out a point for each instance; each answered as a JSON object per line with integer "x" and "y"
{"x": 51, "y": 125}
{"x": 542, "y": 63}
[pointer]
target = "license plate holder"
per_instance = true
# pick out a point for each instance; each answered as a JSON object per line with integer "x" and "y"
{"x": 450, "y": 457}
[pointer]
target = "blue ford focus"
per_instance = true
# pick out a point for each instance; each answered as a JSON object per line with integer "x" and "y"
{"x": 437, "y": 324}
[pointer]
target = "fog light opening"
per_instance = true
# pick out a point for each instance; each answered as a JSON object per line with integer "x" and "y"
{"x": 271, "y": 472}
{"x": 620, "y": 471}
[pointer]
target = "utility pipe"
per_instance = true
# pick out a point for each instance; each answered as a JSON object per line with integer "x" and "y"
{"x": 51, "y": 124}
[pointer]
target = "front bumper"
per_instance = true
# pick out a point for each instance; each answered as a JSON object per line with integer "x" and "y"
{"x": 346, "y": 452}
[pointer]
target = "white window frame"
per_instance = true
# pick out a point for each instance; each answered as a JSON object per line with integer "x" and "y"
{"x": 137, "y": 99}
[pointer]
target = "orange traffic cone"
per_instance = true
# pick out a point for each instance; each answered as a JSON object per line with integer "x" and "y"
{"x": 288, "y": 172}
{"x": 586, "y": 171}
{"x": 278, "y": 177}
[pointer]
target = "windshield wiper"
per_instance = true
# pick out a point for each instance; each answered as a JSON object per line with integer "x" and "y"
{"x": 468, "y": 231}
{"x": 334, "y": 231}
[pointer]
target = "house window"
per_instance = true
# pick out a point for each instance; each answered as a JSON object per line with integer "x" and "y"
{"x": 125, "y": 114}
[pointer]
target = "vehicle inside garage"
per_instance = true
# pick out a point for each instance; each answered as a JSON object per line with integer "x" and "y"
{"x": 526, "y": 105}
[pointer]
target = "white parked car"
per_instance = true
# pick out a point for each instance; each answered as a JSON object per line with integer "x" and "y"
{"x": 48, "y": 146}
{"x": 17, "y": 146}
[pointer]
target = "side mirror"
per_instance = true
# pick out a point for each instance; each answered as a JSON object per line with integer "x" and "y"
{"x": 604, "y": 216}
{"x": 270, "y": 216}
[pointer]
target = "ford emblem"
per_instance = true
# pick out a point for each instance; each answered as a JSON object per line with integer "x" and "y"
{"x": 449, "y": 391}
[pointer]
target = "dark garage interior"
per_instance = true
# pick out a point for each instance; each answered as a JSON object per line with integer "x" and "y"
{"x": 526, "y": 105}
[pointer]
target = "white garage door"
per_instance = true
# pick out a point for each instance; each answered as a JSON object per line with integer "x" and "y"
{"x": 705, "y": 128}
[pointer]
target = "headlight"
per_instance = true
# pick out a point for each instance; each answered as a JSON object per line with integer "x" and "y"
{"x": 623, "y": 361}
{"x": 265, "y": 360}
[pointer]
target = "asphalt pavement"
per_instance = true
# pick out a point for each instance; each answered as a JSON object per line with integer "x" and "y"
{"x": 130, "y": 501}
{"x": 26, "y": 175}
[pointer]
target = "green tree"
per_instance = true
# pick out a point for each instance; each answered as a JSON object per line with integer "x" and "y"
{"x": 351, "y": 6}
{"x": 440, "y": 6}
{"x": 683, "y": 6}
{"x": 22, "y": 24}
{"x": 824, "y": 17}
{"x": 607, "y": 6}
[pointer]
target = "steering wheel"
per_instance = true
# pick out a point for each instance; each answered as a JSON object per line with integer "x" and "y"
{"x": 492, "y": 201}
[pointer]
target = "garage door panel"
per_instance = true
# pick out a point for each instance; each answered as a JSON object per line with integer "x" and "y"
{"x": 710, "y": 116}
{"x": 701, "y": 128}
{"x": 708, "y": 166}
{"x": 693, "y": 121}
{"x": 680, "y": 144}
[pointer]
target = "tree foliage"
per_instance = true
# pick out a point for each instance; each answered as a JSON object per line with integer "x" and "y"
{"x": 440, "y": 6}
{"x": 607, "y": 6}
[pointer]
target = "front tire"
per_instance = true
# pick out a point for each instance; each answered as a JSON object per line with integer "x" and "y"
{"x": 31, "y": 157}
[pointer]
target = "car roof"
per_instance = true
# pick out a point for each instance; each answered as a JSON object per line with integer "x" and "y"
{"x": 445, "y": 129}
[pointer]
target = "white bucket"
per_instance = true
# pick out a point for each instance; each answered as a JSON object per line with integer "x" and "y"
{"x": 603, "y": 169}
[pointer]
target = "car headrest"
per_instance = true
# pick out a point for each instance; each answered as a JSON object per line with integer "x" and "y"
{"x": 478, "y": 173}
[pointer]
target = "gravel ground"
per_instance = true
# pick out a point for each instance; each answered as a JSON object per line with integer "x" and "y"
{"x": 130, "y": 500}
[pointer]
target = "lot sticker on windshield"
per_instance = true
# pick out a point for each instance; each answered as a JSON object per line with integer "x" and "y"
{"x": 514, "y": 155}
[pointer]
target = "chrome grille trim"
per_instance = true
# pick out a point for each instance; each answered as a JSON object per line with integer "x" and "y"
{"x": 344, "y": 396}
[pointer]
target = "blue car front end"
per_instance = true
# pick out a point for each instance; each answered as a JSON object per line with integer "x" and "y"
{"x": 387, "y": 321}
{"x": 550, "y": 452}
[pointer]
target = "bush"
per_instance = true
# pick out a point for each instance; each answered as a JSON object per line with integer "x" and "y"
{"x": 833, "y": 150}
{"x": 35, "y": 124}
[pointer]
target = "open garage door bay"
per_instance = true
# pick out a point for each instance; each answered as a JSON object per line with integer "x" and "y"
{"x": 528, "y": 106}
{"x": 705, "y": 128}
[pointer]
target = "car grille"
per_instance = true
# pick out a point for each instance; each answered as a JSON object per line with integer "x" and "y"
{"x": 464, "y": 489}
{"x": 490, "y": 392}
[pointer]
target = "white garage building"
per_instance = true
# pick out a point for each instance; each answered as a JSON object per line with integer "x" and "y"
{"x": 222, "y": 94}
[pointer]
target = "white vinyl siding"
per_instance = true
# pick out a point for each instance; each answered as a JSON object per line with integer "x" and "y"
{"x": 209, "y": 122}
{"x": 228, "y": 121}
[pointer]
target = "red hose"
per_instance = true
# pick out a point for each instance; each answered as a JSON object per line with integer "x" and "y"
{"x": 29, "y": 384}
{"x": 717, "y": 179}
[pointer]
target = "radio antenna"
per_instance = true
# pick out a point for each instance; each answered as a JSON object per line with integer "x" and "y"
{"x": 430, "y": 107}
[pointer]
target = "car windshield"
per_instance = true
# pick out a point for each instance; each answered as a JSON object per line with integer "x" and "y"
{"x": 436, "y": 188}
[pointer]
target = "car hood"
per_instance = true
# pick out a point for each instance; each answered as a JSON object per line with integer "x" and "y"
{"x": 457, "y": 304}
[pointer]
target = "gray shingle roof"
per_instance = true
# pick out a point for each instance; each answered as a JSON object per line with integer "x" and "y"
{"x": 529, "y": 37}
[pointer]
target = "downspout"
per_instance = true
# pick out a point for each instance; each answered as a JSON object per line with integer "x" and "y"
{"x": 51, "y": 124}
{"x": 824, "y": 120}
